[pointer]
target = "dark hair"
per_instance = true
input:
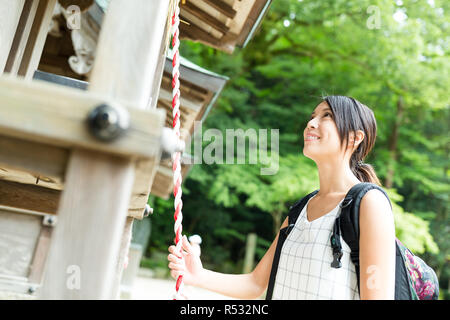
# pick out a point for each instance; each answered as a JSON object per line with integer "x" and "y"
{"x": 351, "y": 115}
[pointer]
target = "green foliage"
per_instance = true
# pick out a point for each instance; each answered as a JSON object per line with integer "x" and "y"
{"x": 411, "y": 229}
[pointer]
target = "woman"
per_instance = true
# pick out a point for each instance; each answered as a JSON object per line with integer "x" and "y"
{"x": 339, "y": 135}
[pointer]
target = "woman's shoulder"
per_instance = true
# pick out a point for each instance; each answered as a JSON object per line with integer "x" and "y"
{"x": 376, "y": 195}
{"x": 375, "y": 205}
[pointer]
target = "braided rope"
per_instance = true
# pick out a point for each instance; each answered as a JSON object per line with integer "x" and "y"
{"x": 176, "y": 156}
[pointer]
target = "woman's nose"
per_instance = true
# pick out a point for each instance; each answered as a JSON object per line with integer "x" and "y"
{"x": 312, "y": 123}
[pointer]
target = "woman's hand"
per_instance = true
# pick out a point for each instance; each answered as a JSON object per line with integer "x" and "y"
{"x": 188, "y": 265}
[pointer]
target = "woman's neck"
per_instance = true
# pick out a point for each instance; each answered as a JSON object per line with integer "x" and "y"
{"x": 335, "y": 177}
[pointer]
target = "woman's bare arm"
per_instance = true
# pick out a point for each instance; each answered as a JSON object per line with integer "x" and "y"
{"x": 240, "y": 286}
{"x": 376, "y": 247}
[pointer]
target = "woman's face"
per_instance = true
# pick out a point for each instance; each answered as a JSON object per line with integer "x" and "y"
{"x": 321, "y": 137}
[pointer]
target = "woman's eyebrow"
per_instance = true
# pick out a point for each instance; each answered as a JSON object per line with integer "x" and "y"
{"x": 327, "y": 109}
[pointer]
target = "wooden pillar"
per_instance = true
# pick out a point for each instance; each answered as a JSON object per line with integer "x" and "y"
{"x": 250, "y": 249}
{"x": 123, "y": 254}
{"x": 93, "y": 208}
{"x": 40, "y": 255}
{"x": 29, "y": 39}
{"x": 21, "y": 37}
{"x": 36, "y": 38}
{"x": 10, "y": 12}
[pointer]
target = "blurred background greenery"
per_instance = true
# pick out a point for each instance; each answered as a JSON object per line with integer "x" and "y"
{"x": 390, "y": 55}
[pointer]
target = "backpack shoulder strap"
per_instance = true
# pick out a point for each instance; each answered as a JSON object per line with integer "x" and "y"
{"x": 349, "y": 218}
{"x": 296, "y": 209}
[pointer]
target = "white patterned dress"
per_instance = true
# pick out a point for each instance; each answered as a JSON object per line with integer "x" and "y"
{"x": 305, "y": 272}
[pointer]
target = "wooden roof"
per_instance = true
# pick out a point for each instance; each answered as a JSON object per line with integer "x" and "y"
{"x": 222, "y": 24}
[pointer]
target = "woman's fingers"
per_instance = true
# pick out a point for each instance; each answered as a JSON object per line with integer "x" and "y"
{"x": 174, "y": 258}
{"x": 173, "y": 250}
{"x": 186, "y": 245}
{"x": 176, "y": 266}
{"x": 175, "y": 274}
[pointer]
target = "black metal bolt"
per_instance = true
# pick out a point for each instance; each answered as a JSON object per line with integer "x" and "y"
{"x": 107, "y": 123}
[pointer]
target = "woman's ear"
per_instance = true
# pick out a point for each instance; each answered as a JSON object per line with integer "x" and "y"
{"x": 359, "y": 137}
{"x": 356, "y": 137}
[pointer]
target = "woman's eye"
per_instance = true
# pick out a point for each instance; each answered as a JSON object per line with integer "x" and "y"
{"x": 326, "y": 114}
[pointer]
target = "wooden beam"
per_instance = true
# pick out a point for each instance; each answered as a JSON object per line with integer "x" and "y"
{"x": 56, "y": 115}
{"x": 194, "y": 33}
{"x": 250, "y": 13}
{"x": 21, "y": 37}
{"x": 19, "y": 233}
{"x": 36, "y": 39}
{"x": 45, "y": 166}
{"x": 34, "y": 179}
{"x": 205, "y": 17}
{"x": 33, "y": 157}
{"x": 123, "y": 254}
{"x": 29, "y": 197}
{"x": 222, "y": 7}
{"x": 40, "y": 255}
{"x": 160, "y": 67}
{"x": 144, "y": 176}
{"x": 10, "y": 12}
{"x": 139, "y": 195}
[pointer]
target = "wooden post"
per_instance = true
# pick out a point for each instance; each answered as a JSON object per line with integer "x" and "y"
{"x": 21, "y": 37}
{"x": 29, "y": 39}
{"x": 123, "y": 254}
{"x": 91, "y": 217}
{"x": 40, "y": 255}
{"x": 36, "y": 39}
{"x": 250, "y": 252}
{"x": 93, "y": 207}
{"x": 10, "y": 12}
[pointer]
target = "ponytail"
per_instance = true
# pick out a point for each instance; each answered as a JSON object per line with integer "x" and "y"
{"x": 364, "y": 171}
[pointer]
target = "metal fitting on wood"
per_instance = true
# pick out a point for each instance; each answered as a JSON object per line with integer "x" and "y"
{"x": 49, "y": 220}
{"x": 148, "y": 210}
{"x": 170, "y": 143}
{"x": 107, "y": 123}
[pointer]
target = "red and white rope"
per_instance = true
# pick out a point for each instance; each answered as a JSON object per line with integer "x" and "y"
{"x": 176, "y": 156}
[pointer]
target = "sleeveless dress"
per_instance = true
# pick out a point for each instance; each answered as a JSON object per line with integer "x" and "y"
{"x": 305, "y": 272}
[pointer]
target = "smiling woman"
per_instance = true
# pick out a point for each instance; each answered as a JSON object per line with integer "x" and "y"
{"x": 301, "y": 262}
